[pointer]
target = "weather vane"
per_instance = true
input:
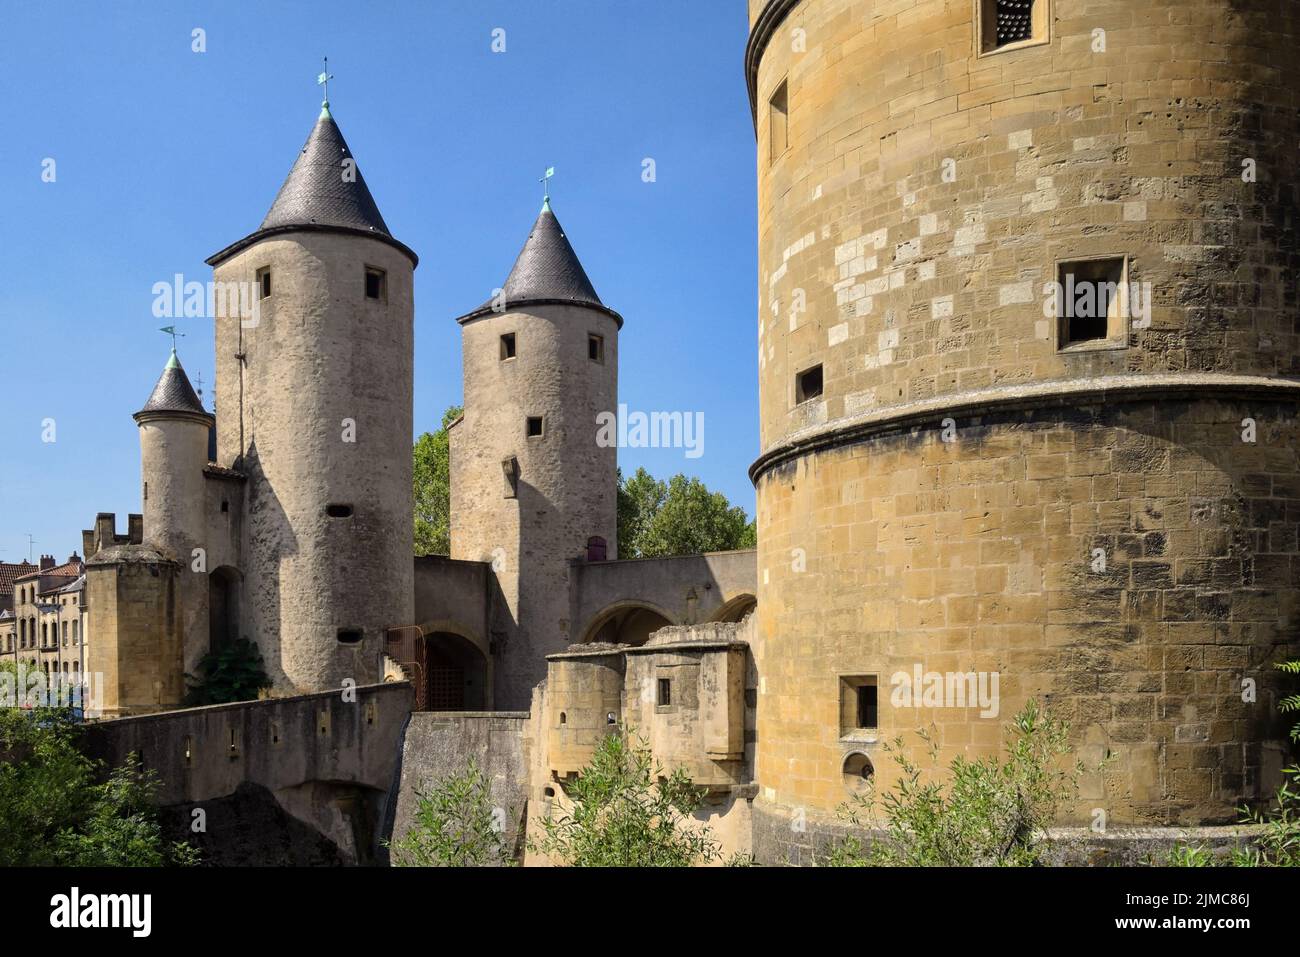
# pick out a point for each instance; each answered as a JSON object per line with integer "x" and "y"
{"x": 324, "y": 80}
{"x": 546, "y": 184}
{"x": 171, "y": 331}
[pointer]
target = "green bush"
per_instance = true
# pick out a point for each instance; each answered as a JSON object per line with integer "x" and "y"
{"x": 626, "y": 813}
{"x": 455, "y": 825}
{"x": 54, "y": 811}
{"x": 984, "y": 812}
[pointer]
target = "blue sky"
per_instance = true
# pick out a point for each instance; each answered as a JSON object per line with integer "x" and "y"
{"x": 164, "y": 155}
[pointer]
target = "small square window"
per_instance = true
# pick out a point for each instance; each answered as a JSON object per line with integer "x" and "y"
{"x": 665, "y": 692}
{"x": 1091, "y": 301}
{"x": 376, "y": 281}
{"x": 779, "y": 120}
{"x": 1009, "y": 24}
{"x": 596, "y": 348}
{"x": 859, "y": 704}
{"x": 534, "y": 428}
{"x": 508, "y": 346}
{"x": 808, "y": 384}
{"x": 264, "y": 282}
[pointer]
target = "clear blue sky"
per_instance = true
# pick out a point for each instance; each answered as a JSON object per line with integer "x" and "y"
{"x": 165, "y": 156}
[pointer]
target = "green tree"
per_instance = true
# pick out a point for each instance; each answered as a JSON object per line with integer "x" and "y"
{"x": 627, "y": 813}
{"x": 234, "y": 672}
{"x": 55, "y": 810}
{"x": 455, "y": 825}
{"x": 990, "y": 811}
{"x": 432, "y": 476}
{"x": 678, "y": 517}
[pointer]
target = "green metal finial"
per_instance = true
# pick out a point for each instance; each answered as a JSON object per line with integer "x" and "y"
{"x": 546, "y": 187}
{"x": 173, "y": 362}
{"x": 324, "y": 80}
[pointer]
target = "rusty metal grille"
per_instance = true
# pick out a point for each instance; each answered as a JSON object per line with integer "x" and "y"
{"x": 405, "y": 645}
{"x": 1015, "y": 21}
{"x": 446, "y": 689}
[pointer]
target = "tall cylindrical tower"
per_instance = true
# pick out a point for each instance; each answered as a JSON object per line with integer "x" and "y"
{"x": 314, "y": 388}
{"x": 1028, "y": 381}
{"x": 174, "y": 430}
{"x": 532, "y": 487}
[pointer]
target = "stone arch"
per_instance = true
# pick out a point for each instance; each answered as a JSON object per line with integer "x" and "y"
{"x": 736, "y": 608}
{"x": 627, "y": 622}
{"x": 457, "y": 665}
{"x": 223, "y": 606}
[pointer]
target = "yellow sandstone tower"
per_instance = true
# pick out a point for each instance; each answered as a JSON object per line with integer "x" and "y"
{"x": 970, "y": 466}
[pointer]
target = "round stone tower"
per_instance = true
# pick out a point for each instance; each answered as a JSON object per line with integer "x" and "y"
{"x": 174, "y": 430}
{"x": 314, "y": 388}
{"x": 533, "y": 485}
{"x": 1028, "y": 379}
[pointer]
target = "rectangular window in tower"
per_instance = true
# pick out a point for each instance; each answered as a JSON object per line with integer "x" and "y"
{"x": 534, "y": 427}
{"x": 778, "y": 129}
{"x": 665, "y": 692}
{"x": 595, "y": 347}
{"x": 376, "y": 283}
{"x": 808, "y": 384}
{"x": 507, "y": 346}
{"x": 264, "y": 282}
{"x": 1011, "y": 24}
{"x": 1092, "y": 303}
{"x": 859, "y": 705}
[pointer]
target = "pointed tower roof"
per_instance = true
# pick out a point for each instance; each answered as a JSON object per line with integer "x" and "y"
{"x": 173, "y": 396}
{"x": 322, "y": 193}
{"x": 546, "y": 272}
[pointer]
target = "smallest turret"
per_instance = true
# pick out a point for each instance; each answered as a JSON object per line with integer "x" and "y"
{"x": 174, "y": 429}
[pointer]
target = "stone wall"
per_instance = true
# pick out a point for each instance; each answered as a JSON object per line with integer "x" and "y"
{"x": 440, "y": 745}
{"x": 330, "y": 763}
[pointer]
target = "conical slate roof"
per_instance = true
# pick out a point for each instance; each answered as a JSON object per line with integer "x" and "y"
{"x": 547, "y": 271}
{"x": 323, "y": 191}
{"x": 173, "y": 393}
{"x": 319, "y": 191}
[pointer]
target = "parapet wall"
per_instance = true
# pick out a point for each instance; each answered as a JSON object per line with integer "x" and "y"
{"x": 328, "y": 761}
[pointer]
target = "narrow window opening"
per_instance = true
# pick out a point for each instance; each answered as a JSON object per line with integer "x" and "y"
{"x": 534, "y": 426}
{"x": 867, "y": 714}
{"x": 264, "y": 283}
{"x": 507, "y": 346}
{"x": 1090, "y": 300}
{"x": 859, "y": 705}
{"x": 808, "y": 384}
{"x": 665, "y": 692}
{"x": 376, "y": 280}
{"x": 349, "y": 636}
{"x": 564, "y": 718}
{"x": 596, "y": 348}
{"x": 338, "y": 510}
{"x": 779, "y": 120}
{"x": 225, "y": 506}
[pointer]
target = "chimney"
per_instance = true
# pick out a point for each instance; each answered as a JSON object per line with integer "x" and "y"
{"x": 135, "y": 529}
{"x": 47, "y": 561}
{"x": 105, "y": 523}
{"x": 88, "y": 542}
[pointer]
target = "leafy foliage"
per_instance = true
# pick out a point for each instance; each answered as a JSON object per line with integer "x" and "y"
{"x": 626, "y": 813}
{"x": 989, "y": 811}
{"x": 55, "y": 812}
{"x": 455, "y": 825}
{"x": 234, "y": 672}
{"x": 679, "y": 517}
{"x": 1291, "y": 703}
{"x": 432, "y": 476}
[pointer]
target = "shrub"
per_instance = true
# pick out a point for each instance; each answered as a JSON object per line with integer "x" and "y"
{"x": 455, "y": 825}
{"x": 234, "y": 672}
{"x": 988, "y": 811}
{"x": 626, "y": 813}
